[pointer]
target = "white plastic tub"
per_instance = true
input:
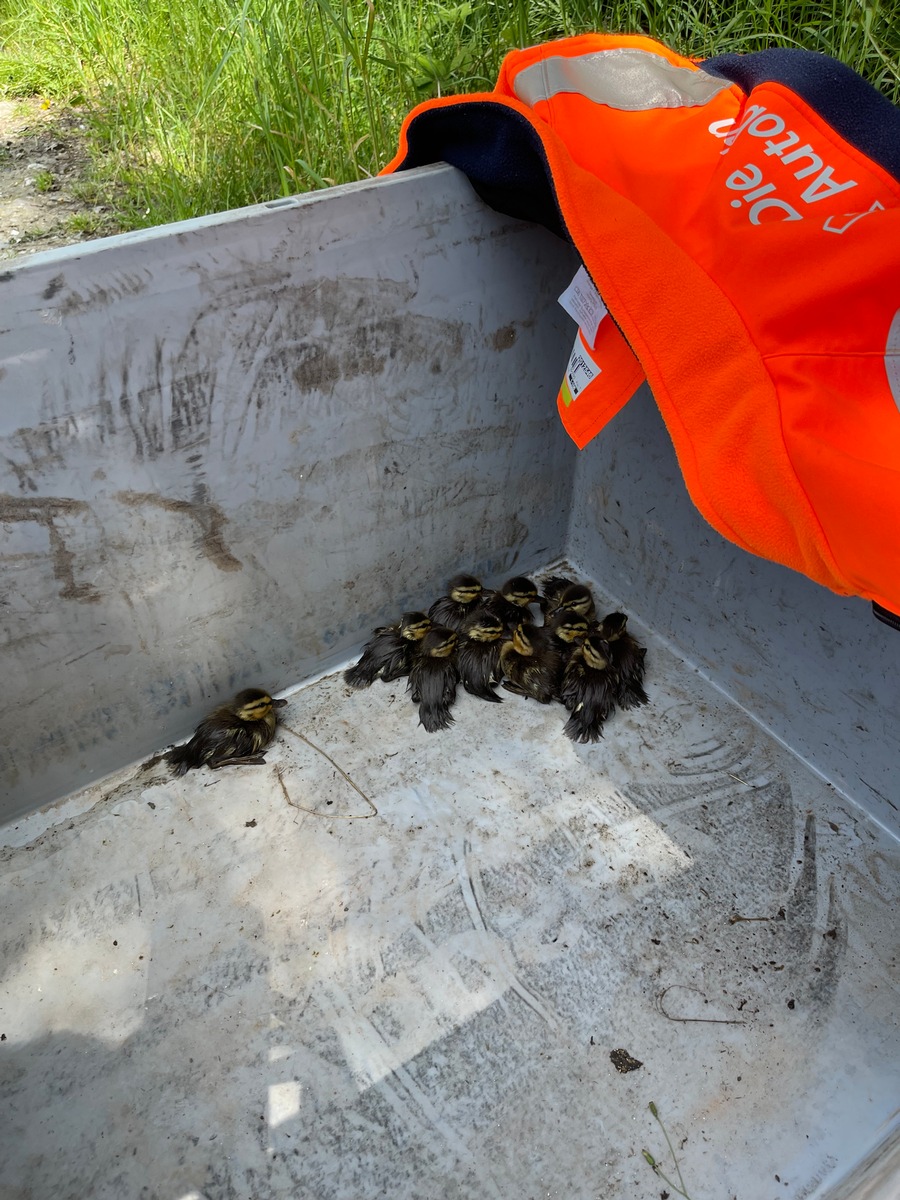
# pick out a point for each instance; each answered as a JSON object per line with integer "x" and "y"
{"x": 231, "y": 448}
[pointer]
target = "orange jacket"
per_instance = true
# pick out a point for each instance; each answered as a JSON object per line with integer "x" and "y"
{"x": 741, "y": 221}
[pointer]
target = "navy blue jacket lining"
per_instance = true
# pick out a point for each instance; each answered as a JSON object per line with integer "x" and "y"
{"x": 854, "y": 109}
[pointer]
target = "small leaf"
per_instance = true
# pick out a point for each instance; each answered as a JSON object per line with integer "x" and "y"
{"x": 623, "y": 1061}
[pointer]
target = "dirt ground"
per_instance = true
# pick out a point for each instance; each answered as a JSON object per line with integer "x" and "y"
{"x": 43, "y": 160}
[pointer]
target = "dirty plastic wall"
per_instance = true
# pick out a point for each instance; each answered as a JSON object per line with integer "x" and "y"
{"x": 815, "y": 668}
{"x": 230, "y": 447}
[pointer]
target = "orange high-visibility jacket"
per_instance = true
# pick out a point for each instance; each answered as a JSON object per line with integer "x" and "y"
{"x": 741, "y": 222}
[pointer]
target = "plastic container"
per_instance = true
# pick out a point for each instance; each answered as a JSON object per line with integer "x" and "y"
{"x": 230, "y": 448}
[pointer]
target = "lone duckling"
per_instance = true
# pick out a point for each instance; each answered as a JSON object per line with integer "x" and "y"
{"x": 388, "y": 654}
{"x": 511, "y": 602}
{"x": 588, "y": 689}
{"x": 231, "y": 735}
{"x": 531, "y": 664}
{"x": 628, "y": 659}
{"x": 433, "y": 678}
{"x": 464, "y": 592}
{"x": 478, "y": 656}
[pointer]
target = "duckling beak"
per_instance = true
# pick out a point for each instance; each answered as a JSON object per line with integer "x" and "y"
{"x": 279, "y": 703}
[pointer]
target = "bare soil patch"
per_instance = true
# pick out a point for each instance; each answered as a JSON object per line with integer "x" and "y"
{"x": 43, "y": 164}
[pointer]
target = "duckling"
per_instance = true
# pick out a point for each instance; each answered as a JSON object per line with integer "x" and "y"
{"x": 551, "y": 590}
{"x": 511, "y": 603}
{"x": 628, "y": 659}
{"x": 479, "y": 655}
{"x": 566, "y": 628}
{"x": 389, "y": 652}
{"x": 578, "y": 598}
{"x": 433, "y": 678}
{"x": 588, "y": 689}
{"x": 452, "y": 611}
{"x": 232, "y": 734}
{"x": 531, "y": 663}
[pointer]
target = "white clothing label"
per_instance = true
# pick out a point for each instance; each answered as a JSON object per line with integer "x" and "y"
{"x": 582, "y": 302}
{"x": 580, "y": 372}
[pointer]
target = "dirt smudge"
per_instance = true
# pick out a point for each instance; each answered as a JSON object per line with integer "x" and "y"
{"x": 45, "y": 511}
{"x": 505, "y": 338}
{"x": 55, "y": 285}
{"x": 209, "y": 518}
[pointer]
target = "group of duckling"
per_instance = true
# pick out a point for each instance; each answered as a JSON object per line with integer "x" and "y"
{"x": 483, "y": 638}
{"x": 473, "y": 636}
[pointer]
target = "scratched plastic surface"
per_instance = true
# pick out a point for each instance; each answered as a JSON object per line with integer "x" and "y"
{"x": 252, "y": 984}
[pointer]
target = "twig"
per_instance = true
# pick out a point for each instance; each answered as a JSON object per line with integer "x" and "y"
{"x": 339, "y": 769}
{"x": 699, "y": 1020}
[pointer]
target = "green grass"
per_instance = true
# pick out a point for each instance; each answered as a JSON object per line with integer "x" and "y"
{"x": 202, "y": 105}
{"x": 90, "y": 224}
{"x": 679, "y": 1187}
